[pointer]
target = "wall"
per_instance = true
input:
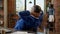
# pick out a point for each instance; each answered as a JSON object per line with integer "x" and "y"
{"x": 2, "y": 13}
{"x": 12, "y": 17}
{"x": 57, "y": 15}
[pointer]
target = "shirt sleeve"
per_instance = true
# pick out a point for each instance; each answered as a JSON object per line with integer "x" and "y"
{"x": 19, "y": 25}
{"x": 24, "y": 15}
{"x": 41, "y": 17}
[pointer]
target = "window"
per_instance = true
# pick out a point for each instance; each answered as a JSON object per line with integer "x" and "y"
{"x": 27, "y": 4}
{"x": 40, "y": 3}
{"x": 20, "y": 5}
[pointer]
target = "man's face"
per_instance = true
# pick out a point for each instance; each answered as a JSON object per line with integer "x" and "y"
{"x": 34, "y": 13}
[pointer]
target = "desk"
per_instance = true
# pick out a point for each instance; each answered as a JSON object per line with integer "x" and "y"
{"x": 4, "y": 30}
{"x": 12, "y": 31}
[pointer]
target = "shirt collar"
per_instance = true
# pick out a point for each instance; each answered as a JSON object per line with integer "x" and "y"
{"x": 34, "y": 17}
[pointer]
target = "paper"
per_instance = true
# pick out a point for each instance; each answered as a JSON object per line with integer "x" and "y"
{"x": 19, "y": 32}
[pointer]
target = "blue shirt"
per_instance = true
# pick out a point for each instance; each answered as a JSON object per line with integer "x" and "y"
{"x": 27, "y": 21}
{"x": 51, "y": 11}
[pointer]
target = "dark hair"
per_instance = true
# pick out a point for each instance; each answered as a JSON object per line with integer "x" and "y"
{"x": 51, "y": 5}
{"x": 37, "y": 8}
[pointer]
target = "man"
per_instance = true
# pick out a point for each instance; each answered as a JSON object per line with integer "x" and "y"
{"x": 30, "y": 20}
{"x": 50, "y": 12}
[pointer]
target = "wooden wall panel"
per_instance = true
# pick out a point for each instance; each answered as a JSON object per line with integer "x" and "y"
{"x": 11, "y": 13}
{"x": 57, "y": 15}
{"x": 11, "y": 6}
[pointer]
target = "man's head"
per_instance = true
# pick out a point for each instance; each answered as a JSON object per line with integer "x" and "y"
{"x": 36, "y": 10}
{"x": 51, "y": 6}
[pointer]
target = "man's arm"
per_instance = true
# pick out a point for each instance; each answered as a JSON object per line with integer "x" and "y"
{"x": 40, "y": 29}
{"x": 19, "y": 25}
{"x": 41, "y": 17}
{"x": 24, "y": 15}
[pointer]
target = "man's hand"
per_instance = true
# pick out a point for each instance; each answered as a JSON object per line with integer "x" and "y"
{"x": 40, "y": 29}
